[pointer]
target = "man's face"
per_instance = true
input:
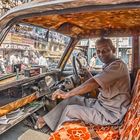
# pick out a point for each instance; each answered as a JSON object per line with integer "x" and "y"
{"x": 105, "y": 53}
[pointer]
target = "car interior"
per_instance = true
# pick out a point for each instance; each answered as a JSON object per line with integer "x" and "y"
{"x": 75, "y": 21}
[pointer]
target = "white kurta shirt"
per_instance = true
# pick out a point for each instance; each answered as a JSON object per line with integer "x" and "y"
{"x": 114, "y": 96}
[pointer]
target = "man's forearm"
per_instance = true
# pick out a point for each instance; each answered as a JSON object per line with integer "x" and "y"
{"x": 86, "y": 87}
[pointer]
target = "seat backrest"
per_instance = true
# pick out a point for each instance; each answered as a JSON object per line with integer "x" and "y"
{"x": 131, "y": 127}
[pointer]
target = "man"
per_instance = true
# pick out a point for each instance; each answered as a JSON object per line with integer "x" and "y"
{"x": 112, "y": 102}
{"x": 92, "y": 63}
{"x": 25, "y": 59}
{"x": 42, "y": 61}
{"x": 2, "y": 65}
{"x": 82, "y": 59}
{"x": 14, "y": 59}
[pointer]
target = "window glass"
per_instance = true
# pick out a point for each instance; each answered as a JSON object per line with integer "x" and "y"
{"x": 30, "y": 46}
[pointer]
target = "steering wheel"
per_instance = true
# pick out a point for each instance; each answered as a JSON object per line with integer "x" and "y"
{"x": 75, "y": 69}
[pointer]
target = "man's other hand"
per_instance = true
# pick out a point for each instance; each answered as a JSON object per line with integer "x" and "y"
{"x": 59, "y": 94}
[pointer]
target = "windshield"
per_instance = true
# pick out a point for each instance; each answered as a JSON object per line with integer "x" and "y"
{"x": 30, "y": 45}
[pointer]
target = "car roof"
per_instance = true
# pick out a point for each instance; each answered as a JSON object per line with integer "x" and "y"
{"x": 82, "y": 18}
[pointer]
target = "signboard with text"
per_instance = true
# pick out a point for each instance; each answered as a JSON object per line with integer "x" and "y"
{"x": 18, "y": 39}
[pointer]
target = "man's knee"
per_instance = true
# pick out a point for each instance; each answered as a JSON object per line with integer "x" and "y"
{"x": 76, "y": 100}
{"x": 71, "y": 100}
{"x": 69, "y": 108}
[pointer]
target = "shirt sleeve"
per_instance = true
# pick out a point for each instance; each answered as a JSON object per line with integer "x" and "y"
{"x": 111, "y": 73}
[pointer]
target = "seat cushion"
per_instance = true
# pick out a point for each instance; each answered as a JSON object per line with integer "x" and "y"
{"x": 105, "y": 132}
{"x": 78, "y": 130}
{"x": 73, "y": 131}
